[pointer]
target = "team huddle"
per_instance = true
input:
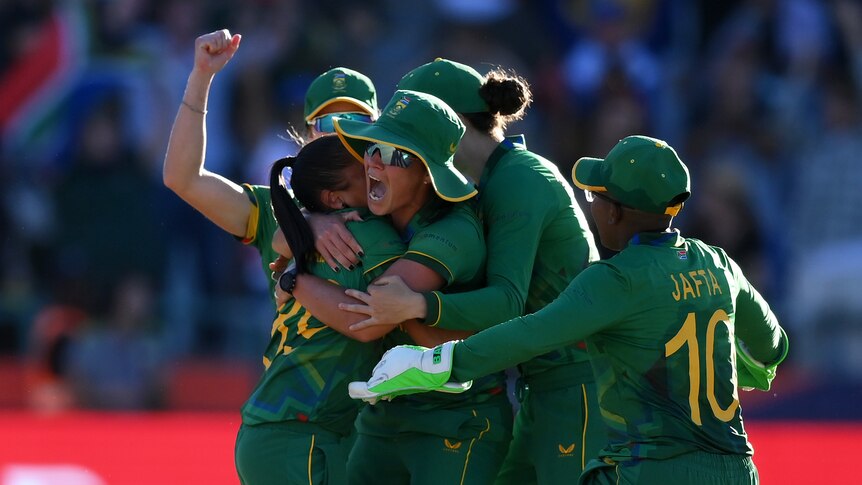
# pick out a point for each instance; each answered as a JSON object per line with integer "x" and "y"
{"x": 416, "y": 252}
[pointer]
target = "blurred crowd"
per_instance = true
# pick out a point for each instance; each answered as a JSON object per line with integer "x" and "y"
{"x": 107, "y": 278}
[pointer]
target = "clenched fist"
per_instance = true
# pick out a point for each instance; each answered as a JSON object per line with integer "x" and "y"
{"x": 214, "y": 50}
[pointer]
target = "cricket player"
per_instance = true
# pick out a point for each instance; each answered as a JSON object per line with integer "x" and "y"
{"x": 297, "y": 423}
{"x": 538, "y": 239}
{"x": 299, "y": 403}
{"x": 431, "y": 438}
{"x": 238, "y": 209}
{"x": 672, "y": 326}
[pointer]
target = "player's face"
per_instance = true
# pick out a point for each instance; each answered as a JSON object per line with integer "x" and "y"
{"x": 396, "y": 181}
{"x": 354, "y": 194}
{"x": 606, "y": 213}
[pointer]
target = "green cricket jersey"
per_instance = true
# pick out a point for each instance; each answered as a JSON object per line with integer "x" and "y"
{"x": 454, "y": 247}
{"x": 307, "y": 364}
{"x": 261, "y": 226}
{"x": 538, "y": 240}
{"x": 659, "y": 319}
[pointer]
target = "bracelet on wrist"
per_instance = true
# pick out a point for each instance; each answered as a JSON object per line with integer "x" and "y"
{"x": 194, "y": 109}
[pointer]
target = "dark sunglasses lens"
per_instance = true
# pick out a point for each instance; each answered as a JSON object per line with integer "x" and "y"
{"x": 389, "y": 155}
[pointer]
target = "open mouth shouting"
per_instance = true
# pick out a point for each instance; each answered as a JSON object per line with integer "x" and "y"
{"x": 376, "y": 189}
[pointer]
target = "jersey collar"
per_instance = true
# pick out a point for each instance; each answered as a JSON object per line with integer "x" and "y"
{"x": 419, "y": 220}
{"x": 671, "y": 238}
{"x": 514, "y": 142}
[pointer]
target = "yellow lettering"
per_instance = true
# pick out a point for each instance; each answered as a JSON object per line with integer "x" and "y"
{"x": 696, "y": 280}
{"x": 687, "y": 336}
{"x": 675, "y": 294}
{"x": 702, "y": 275}
{"x": 715, "y": 286}
{"x": 686, "y": 287}
{"x": 726, "y": 414}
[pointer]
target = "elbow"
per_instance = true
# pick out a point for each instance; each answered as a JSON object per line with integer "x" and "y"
{"x": 175, "y": 177}
{"x": 171, "y": 180}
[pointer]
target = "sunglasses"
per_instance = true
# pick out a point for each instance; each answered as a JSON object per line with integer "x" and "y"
{"x": 390, "y": 155}
{"x": 324, "y": 124}
{"x": 590, "y": 196}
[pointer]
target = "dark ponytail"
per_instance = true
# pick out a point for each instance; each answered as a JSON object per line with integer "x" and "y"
{"x": 292, "y": 223}
{"x": 320, "y": 165}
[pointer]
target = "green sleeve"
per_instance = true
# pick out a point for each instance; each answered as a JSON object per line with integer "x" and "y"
{"x": 552, "y": 327}
{"x": 261, "y": 226}
{"x": 453, "y": 246}
{"x": 755, "y": 323}
{"x": 761, "y": 343}
{"x": 515, "y": 215}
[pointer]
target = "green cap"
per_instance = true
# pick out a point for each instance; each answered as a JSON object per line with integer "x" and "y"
{"x": 455, "y": 83}
{"x": 340, "y": 84}
{"x": 423, "y": 125}
{"x": 640, "y": 172}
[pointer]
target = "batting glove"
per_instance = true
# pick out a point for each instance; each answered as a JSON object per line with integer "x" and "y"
{"x": 409, "y": 369}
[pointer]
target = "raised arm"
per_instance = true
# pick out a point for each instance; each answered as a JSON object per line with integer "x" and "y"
{"x": 219, "y": 199}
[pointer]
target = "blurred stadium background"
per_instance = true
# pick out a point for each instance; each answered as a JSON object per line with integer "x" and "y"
{"x": 131, "y": 328}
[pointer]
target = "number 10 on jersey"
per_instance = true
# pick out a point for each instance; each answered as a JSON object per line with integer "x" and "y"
{"x": 687, "y": 337}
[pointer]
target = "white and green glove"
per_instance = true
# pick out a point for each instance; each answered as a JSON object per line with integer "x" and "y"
{"x": 750, "y": 372}
{"x": 409, "y": 369}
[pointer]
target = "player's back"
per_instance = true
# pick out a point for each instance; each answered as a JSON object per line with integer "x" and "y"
{"x": 532, "y": 206}
{"x": 666, "y": 369}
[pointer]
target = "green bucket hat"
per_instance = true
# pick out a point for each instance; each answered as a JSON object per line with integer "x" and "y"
{"x": 640, "y": 172}
{"x": 421, "y": 124}
{"x": 340, "y": 84}
{"x": 455, "y": 83}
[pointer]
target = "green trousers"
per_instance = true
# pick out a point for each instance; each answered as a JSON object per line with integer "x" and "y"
{"x": 556, "y": 432}
{"x": 290, "y": 452}
{"x": 398, "y": 444}
{"x": 695, "y": 468}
